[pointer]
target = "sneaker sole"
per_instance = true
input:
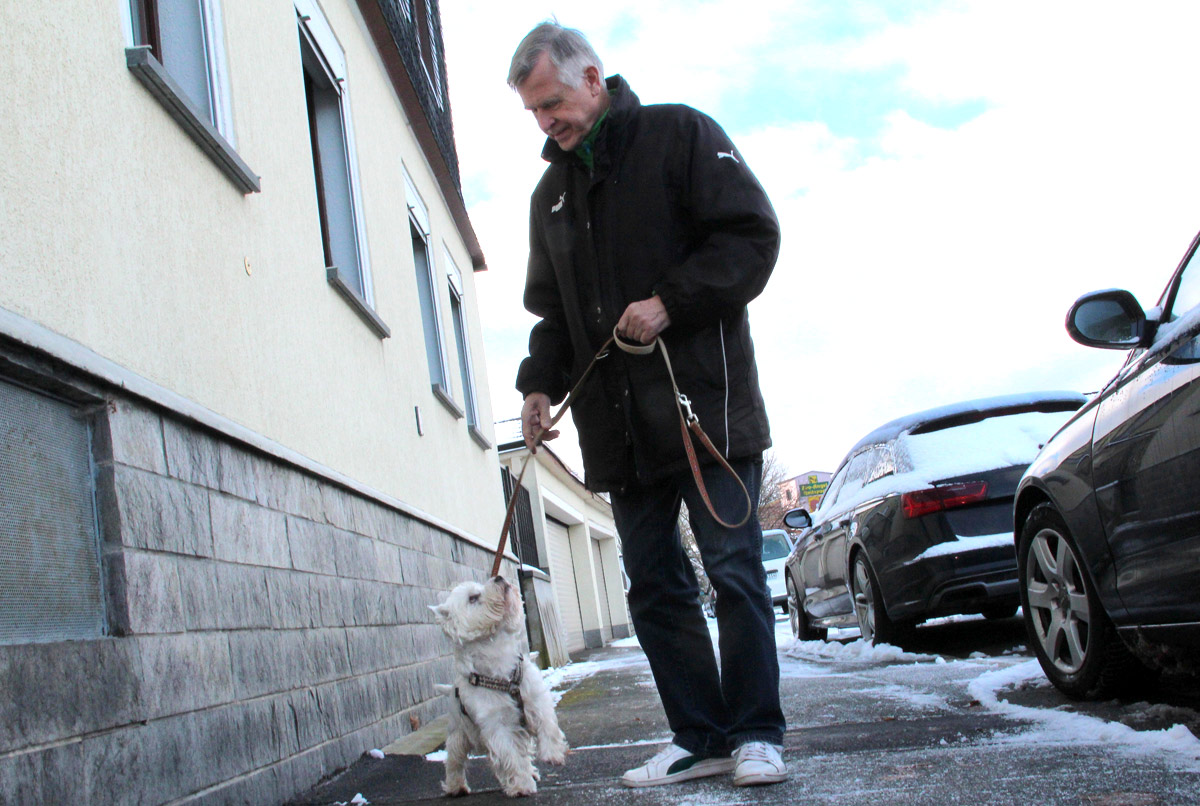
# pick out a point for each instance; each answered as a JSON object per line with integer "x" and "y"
{"x": 701, "y": 769}
{"x": 759, "y": 778}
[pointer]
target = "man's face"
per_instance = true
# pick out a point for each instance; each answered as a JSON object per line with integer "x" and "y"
{"x": 564, "y": 113}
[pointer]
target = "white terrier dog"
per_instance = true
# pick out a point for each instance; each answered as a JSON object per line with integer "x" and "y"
{"x": 501, "y": 705}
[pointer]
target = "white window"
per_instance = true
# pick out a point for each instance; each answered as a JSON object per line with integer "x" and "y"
{"x": 427, "y": 45}
{"x": 458, "y": 316}
{"x": 335, "y": 163}
{"x": 427, "y": 294}
{"x": 177, "y": 51}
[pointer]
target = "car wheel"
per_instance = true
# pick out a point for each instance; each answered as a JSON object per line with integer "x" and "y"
{"x": 1076, "y": 643}
{"x": 873, "y": 621}
{"x": 802, "y": 629}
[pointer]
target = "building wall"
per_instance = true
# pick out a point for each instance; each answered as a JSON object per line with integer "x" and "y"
{"x": 266, "y": 627}
{"x": 271, "y": 526}
{"x": 121, "y": 235}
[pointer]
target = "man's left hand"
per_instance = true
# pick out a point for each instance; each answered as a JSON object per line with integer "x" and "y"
{"x": 643, "y": 321}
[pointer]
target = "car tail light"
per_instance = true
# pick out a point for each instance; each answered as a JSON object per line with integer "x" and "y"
{"x": 923, "y": 502}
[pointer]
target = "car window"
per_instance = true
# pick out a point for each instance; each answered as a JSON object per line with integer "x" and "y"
{"x": 1187, "y": 290}
{"x": 860, "y": 469}
{"x": 993, "y": 442}
{"x": 775, "y": 546}
{"x": 831, "y": 494}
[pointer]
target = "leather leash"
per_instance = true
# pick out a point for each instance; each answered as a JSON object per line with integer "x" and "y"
{"x": 689, "y": 424}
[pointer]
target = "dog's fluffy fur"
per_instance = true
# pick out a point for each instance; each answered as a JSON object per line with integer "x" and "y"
{"x": 483, "y": 622}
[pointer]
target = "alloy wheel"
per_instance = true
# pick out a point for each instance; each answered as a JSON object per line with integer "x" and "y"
{"x": 864, "y": 599}
{"x": 1058, "y": 601}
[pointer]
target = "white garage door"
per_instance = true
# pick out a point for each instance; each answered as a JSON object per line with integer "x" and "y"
{"x": 562, "y": 576}
{"x": 606, "y": 623}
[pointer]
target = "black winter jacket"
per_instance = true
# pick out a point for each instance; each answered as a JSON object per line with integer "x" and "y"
{"x": 670, "y": 208}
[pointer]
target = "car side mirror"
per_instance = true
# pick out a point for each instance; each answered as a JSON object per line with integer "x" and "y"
{"x": 797, "y": 519}
{"x": 1111, "y": 320}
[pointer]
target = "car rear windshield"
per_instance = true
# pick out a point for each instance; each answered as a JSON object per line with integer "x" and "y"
{"x": 981, "y": 443}
{"x": 775, "y": 546}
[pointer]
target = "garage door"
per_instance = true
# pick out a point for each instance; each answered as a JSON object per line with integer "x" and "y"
{"x": 606, "y": 630}
{"x": 562, "y": 576}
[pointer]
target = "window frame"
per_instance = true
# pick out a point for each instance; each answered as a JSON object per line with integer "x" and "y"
{"x": 328, "y": 59}
{"x": 462, "y": 336}
{"x": 419, "y": 230}
{"x": 212, "y": 132}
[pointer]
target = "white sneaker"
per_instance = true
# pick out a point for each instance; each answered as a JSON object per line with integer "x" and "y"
{"x": 673, "y": 764}
{"x": 759, "y": 763}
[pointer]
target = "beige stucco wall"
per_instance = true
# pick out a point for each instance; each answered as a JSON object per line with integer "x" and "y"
{"x": 122, "y": 235}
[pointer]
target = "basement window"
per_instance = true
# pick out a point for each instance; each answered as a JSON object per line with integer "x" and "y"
{"x": 50, "y": 585}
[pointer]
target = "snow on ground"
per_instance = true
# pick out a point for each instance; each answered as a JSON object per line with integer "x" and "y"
{"x": 1175, "y": 745}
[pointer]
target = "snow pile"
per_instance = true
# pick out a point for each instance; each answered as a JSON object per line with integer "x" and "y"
{"x": 859, "y": 650}
{"x": 1176, "y": 744}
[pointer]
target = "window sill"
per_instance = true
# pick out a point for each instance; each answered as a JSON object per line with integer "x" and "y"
{"x": 334, "y": 275}
{"x": 443, "y": 394}
{"x": 160, "y": 84}
{"x": 478, "y": 436}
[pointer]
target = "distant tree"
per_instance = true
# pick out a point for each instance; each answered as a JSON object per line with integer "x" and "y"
{"x": 771, "y": 506}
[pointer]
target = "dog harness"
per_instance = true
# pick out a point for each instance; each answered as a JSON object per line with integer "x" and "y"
{"x": 510, "y": 685}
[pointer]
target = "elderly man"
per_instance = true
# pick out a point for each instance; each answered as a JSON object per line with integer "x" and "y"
{"x": 648, "y": 221}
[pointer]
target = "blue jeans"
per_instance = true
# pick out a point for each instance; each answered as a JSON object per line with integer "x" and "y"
{"x": 710, "y": 712}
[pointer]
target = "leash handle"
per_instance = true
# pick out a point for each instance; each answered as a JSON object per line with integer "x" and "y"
{"x": 690, "y": 423}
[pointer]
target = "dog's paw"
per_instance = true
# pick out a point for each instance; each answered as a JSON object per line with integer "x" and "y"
{"x": 455, "y": 790}
{"x": 556, "y": 758}
{"x": 521, "y": 790}
{"x": 553, "y": 750}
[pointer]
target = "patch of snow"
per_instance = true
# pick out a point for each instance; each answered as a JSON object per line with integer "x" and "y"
{"x": 1175, "y": 745}
{"x": 436, "y": 755}
{"x": 919, "y": 699}
{"x": 976, "y": 543}
{"x": 859, "y": 650}
{"x": 376, "y": 753}
{"x": 357, "y": 800}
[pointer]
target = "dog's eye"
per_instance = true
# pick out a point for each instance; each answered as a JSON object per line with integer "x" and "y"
{"x": 473, "y": 598}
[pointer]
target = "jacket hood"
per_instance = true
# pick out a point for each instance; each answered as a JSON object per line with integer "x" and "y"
{"x": 623, "y": 103}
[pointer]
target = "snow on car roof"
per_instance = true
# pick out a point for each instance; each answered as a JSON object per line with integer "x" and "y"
{"x": 1028, "y": 401}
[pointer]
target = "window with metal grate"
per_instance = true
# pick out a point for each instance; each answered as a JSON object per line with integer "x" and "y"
{"x": 49, "y": 551}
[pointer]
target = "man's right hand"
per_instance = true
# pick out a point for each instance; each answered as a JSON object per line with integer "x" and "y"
{"x": 535, "y": 417}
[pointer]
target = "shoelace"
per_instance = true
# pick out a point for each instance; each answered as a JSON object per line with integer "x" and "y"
{"x": 753, "y": 751}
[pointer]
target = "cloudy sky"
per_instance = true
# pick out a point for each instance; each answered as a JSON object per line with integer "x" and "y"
{"x": 949, "y": 177}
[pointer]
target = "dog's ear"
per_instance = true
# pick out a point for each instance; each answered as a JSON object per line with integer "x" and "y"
{"x": 440, "y": 613}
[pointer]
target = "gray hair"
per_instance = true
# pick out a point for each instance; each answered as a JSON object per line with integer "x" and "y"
{"x": 567, "y": 48}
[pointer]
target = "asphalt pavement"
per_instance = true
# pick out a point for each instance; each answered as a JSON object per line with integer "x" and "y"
{"x": 860, "y": 732}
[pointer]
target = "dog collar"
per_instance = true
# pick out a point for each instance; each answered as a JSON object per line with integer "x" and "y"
{"x": 511, "y": 684}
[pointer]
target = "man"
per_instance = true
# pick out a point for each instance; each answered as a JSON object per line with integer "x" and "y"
{"x": 649, "y": 221}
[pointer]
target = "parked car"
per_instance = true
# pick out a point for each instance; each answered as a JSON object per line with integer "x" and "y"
{"x": 917, "y": 520}
{"x": 776, "y": 546}
{"x": 1107, "y": 518}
